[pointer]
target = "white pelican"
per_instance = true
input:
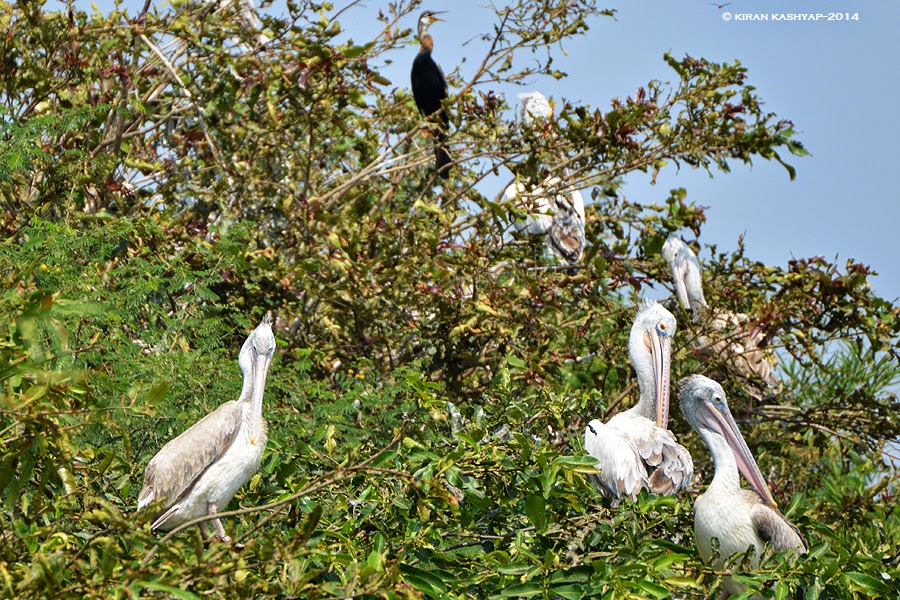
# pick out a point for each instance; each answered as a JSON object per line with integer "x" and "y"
{"x": 634, "y": 449}
{"x": 738, "y": 518}
{"x": 559, "y": 216}
{"x": 199, "y": 471}
{"x": 744, "y": 344}
{"x": 534, "y": 107}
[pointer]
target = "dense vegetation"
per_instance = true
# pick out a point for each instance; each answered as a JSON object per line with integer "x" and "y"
{"x": 167, "y": 180}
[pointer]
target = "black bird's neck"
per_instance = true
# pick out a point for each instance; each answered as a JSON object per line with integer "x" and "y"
{"x": 427, "y": 43}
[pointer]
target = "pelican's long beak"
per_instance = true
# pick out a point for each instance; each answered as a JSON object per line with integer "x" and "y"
{"x": 661, "y": 351}
{"x": 721, "y": 421}
{"x": 261, "y": 364}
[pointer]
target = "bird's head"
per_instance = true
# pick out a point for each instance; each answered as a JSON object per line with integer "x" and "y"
{"x": 650, "y": 349}
{"x": 705, "y": 407}
{"x": 426, "y": 19}
{"x": 672, "y": 247}
{"x": 256, "y": 356}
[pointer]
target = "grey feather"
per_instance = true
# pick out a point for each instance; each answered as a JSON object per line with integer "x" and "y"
{"x": 181, "y": 462}
{"x": 771, "y": 526}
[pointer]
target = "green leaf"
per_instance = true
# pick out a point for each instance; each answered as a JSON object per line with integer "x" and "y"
{"x": 536, "y": 509}
{"x": 523, "y": 590}
{"x": 866, "y": 584}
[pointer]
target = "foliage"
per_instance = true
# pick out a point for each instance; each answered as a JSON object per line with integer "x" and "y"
{"x": 169, "y": 179}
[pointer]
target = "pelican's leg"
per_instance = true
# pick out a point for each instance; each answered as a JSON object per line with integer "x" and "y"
{"x": 204, "y": 531}
{"x": 211, "y": 509}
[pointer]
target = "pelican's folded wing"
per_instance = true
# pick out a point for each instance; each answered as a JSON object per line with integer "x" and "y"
{"x": 771, "y": 526}
{"x": 620, "y": 469}
{"x": 669, "y": 464}
{"x": 183, "y": 460}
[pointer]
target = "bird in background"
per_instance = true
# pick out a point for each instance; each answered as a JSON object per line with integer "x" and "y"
{"x": 745, "y": 345}
{"x": 738, "y": 518}
{"x": 429, "y": 89}
{"x": 198, "y": 472}
{"x": 634, "y": 449}
{"x": 534, "y": 108}
{"x": 558, "y": 216}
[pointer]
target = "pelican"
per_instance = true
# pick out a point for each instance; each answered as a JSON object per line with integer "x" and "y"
{"x": 634, "y": 449}
{"x": 558, "y": 216}
{"x": 745, "y": 344}
{"x": 566, "y": 237}
{"x": 738, "y": 518}
{"x": 534, "y": 107}
{"x": 198, "y": 472}
{"x": 429, "y": 88}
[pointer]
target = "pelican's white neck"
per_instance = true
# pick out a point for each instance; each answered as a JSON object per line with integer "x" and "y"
{"x": 726, "y": 475}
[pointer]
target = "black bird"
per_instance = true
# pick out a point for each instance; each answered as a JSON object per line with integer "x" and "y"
{"x": 429, "y": 88}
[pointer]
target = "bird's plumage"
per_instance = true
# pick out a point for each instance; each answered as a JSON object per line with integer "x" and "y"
{"x": 738, "y": 518}
{"x": 429, "y": 88}
{"x": 199, "y": 471}
{"x": 737, "y": 339}
{"x": 534, "y": 107}
{"x": 560, "y": 216}
{"x": 634, "y": 449}
{"x": 566, "y": 237}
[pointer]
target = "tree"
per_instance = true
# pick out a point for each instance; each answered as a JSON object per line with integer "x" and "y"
{"x": 169, "y": 177}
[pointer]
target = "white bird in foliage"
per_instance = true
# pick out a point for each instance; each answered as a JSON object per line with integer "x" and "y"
{"x": 738, "y": 518}
{"x": 549, "y": 211}
{"x": 248, "y": 16}
{"x": 559, "y": 216}
{"x": 635, "y": 450}
{"x": 744, "y": 344}
{"x": 198, "y": 472}
{"x": 534, "y": 106}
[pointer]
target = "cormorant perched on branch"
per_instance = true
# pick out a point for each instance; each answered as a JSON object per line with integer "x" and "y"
{"x": 429, "y": 88}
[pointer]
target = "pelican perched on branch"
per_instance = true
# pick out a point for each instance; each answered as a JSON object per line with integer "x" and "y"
{"x": 635, "y": 449}
{"x": 534, "y": 107}
{"x": 198, "y": 472}
{"x": 429, "y": 88}
{"x": 550, "y": 210}
{"x": 559, "y": 216}
{"x": 743, "y": 343}
{"x": 738, "y": 518}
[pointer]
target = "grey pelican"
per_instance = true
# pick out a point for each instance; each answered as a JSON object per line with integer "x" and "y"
{"x": 634, "y": 449}
{"x": 534, "y": 107}
{"x": 743, "y": 343}
{"x": 198, "y": 472}
{"x": 738, "y": 518}
{"x": 429, "y": 88}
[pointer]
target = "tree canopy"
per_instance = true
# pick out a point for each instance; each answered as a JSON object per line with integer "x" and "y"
{"x": 169, "y": 177}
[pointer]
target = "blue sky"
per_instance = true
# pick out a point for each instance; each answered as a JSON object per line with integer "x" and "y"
{"x": 836, "y": 80}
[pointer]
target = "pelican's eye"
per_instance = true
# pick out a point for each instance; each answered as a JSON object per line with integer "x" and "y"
{"x": 662, "y": 328}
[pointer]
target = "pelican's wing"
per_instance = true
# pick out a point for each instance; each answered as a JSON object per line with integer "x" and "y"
{"x": 566, "y": 239}
{"x": 621, "y": 471}
{"x": 535, "y": 204}
{"x": 669, "y": 463}
{"x": 183, "y": 460}
{"x": 744, "y": 343}
{"x": 771, "y": 526}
